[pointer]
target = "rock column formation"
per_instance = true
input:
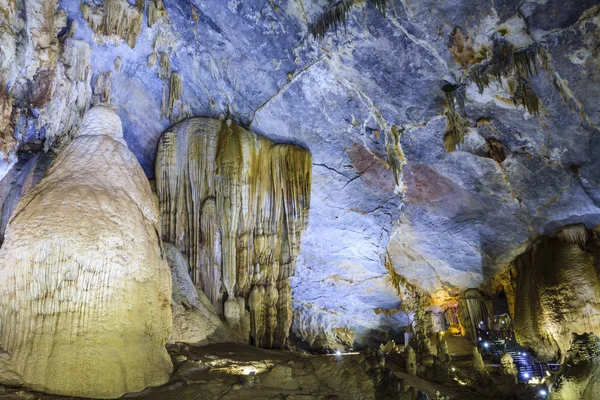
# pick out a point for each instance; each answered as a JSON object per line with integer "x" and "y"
{"x": 236, "y": 205}
{"x": 557, "y": 291}
{"x": 84, "y": 287}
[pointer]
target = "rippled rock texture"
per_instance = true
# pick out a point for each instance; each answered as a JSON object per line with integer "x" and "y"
{"x": 236, "y": 204}
{"x": 553, "y": 291}
{"x": 194, "y": 318}
{"x": 454, "y": 219}
{"x": 84, "y": 284}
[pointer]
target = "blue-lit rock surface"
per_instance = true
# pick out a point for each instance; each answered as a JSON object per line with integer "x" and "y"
{"x": 460, "y": 217}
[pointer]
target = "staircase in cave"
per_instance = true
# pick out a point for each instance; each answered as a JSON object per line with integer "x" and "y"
{"x": 526, "y": 364}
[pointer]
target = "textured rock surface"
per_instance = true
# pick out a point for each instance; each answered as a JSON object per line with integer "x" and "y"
{"x": 467, "y": 213}
{"x": 84, "y": 286}
{"x": 555, "y": 291}
{"x": 236, "y": 204}
{"x": 578, "y": 378}
{"x": 27, "y": 172}
{"x": 194, "y": 319}
{"x": 242, "y": 372}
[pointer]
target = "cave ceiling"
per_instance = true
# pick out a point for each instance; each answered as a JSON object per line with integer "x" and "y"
{"x": 455, "y": 218}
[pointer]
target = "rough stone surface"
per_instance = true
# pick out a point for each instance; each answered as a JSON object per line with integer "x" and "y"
{"x": 578, "y": 378}
{"x": 236, "y": 204}
{"x": 194, "y": 319}
{"x": 467, "y": 214}
{"x": 84, "y": 286}
{"x": 555, "y": 291}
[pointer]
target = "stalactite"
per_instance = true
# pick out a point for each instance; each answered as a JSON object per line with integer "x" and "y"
{"x": 175, "y": 90}
{"x": 395, "y": 155}
{"x": 156, "y": 10}
{"x": 335, "y": 15}
{"x": 102, "y": 88}
{"x": 71, "y": 91}
{"x": 236, "y": 204}
{"x": 118, "y": 64}
{"x": 152, "y": 59}
{"x": 508, "y": 62}
{"x": 114, "y": 17}
{"x": 7, "y": 141}
{"x": 164, "y": 66}
{"x": 164, "y": 105}
{"x": 456, "y": 126}
{"x": 84, "y": 286}
{"x": 577, "y": 234}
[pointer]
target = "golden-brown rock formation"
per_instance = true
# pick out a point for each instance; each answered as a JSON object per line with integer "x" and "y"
{"x": 236, "y": 204}
{"x": 114, "y": 18}
{"x": 194, "y": 318}
{"x": 84, "y": 286}
{"x": 554, "y": 290}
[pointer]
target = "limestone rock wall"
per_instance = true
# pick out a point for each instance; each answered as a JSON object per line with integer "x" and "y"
{"x": 557, "y": 292}
{"x": 236, "y": 204}
{"x": 84, "y": 285}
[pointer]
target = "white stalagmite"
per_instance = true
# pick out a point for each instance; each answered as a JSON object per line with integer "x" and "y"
{"x": 84, "y": 287}
{"x": 236, "y": 205}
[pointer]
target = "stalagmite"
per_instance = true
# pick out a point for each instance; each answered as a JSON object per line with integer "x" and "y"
{"x": 410, "y": 358}
{"x": 508, "y": 371}
{"x": 194, "y": 319}
{"x": 477, "y": 362}
{"x": 557, "y": 291}
{"x": 84, "y": 287}
{"x": 236, "y": 205}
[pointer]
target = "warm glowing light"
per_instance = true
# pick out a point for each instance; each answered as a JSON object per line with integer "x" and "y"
{"x": 536, "y": 381}
{"x": 463, "y": 383}
{"x": 453, "y": 369}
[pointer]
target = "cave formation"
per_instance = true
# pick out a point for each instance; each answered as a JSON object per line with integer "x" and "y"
{"x": 295, "y": 199}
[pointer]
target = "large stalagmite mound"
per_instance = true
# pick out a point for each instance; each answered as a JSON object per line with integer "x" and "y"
{"x": 84, "y": 286}
{"x": 554, "y": 291}
{"x": 236, "y": 205}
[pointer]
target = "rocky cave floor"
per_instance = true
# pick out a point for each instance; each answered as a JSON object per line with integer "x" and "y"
{"x": 236, "y": 371}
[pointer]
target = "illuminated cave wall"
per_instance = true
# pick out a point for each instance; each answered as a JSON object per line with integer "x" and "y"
{"x": 236, "y": 205}
{"x": 84, "y": 286}
{"x": 553, "y": 291}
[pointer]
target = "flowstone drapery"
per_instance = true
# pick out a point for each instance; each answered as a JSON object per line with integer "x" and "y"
{"x": 84, "y": 286}
{"x": 236, "y": 205}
